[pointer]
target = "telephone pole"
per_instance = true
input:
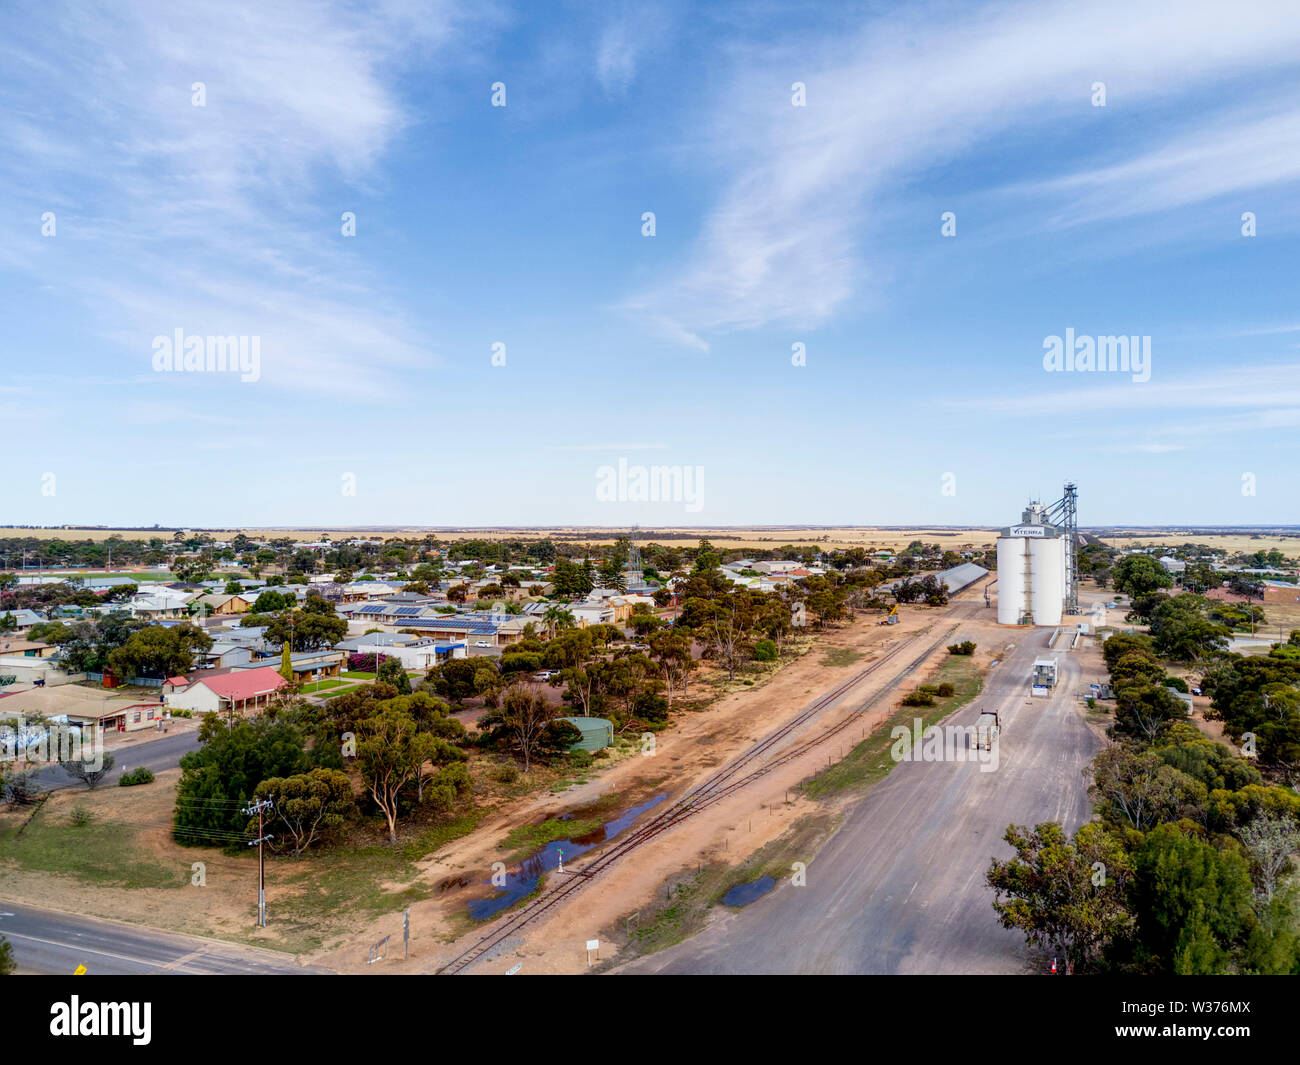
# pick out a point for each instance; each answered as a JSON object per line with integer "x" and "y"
{"x": 260, "y": 809}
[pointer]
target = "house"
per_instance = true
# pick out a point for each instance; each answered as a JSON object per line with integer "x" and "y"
{"x": 23, "y": 620}
{"x": 472, "y": 628}
{"x": 224, "y": 604}
{"x": 586, "y": 614}
{"x": 224, "y": 654}
{"x": 414, "y": 652}
{"x": 84, "y": 707}
{"x": 16, "y": 646}
{"x": 159, "y": 603}
{"x": 311, "y": 665}
{"x": 238, "y": 691}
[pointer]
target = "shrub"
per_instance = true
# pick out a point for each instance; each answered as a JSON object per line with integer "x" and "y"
{"x": 365, "y": 663}
{"x": 918, "y": 698}
{"x": 507, "y": 774}
{"x": 945, "y": 690}
{"x": 1177, "y": 683}
{"x": 966, "y": 647}
{"x": 651, "y": 707}
{"x": 765, "y": 651}
{"x": 135, "y": 776}
{"x": 81, "y": 816}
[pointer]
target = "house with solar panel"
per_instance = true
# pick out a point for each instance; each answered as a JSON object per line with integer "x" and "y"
{"x": 414, "y": 652}
{"x": 476, "y": 628}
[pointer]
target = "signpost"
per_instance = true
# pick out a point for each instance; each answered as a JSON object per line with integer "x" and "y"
{"x": 593, "y": 944}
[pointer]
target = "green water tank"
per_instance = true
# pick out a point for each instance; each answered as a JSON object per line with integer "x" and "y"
{"x": 597, "y": 732}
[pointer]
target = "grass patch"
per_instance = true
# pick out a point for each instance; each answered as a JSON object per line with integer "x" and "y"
{"x": 323, "y": 685}
{"x": 96, "y": 852}
{"x": 357, "y": 674}
{"x": 523, "y": 840}
{"x": 840, "y": 656}
{"x": 348, "y": 879}
{"x": 337, "y": 692}
{"x": 869, "y": 762}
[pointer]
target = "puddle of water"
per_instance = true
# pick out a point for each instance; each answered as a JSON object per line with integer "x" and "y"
{"x": 744, "y": 894}
{"x": 523, "y": 881}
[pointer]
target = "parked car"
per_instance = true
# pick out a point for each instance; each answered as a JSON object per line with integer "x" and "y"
{"x": 482, "y": 643}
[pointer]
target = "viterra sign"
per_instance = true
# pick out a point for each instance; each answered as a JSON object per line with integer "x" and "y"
{"x": 1028, "y": 530}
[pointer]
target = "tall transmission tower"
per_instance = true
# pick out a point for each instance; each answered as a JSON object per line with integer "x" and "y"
{"x": 1064, "y": 513}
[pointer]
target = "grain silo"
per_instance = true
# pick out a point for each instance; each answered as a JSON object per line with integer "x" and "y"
{"x": 1032, "y": 582}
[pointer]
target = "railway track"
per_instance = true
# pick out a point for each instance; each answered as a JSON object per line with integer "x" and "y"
{"x": 740, "y": 772}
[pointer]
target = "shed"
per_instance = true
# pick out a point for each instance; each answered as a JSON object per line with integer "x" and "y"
{"x": 597, "y": 732}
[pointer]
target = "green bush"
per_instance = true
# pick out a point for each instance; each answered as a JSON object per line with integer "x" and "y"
{"x": 1177, "y": 683}
{"x": 135, "y": 776}
{"x": 945, "y": 690}
{"x": 765, "y": 651}
{"x": 918, "y": 698}
{"x": 966, "y": 647}
{"x": 81, "y": 816}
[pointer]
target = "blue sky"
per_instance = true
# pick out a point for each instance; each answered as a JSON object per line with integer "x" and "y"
{"x": 775, "y": 225}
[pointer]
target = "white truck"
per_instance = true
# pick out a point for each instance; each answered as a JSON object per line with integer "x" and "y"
{"x": 988, "y": 726}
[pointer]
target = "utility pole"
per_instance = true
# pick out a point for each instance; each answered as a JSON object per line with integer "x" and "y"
{"x": 260, "y": 809}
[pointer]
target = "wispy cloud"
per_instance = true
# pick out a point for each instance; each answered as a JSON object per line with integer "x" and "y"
{"x": 788, "y": 241}
{"x": 213, "y": 218}
{"x": 627, "y": 35}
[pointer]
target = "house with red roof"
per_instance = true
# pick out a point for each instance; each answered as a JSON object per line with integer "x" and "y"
{"x": 239, "y": 691}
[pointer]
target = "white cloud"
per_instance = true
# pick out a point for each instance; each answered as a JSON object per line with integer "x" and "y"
{"x": 213, "y": 218}
{"x": 785, "y": 241}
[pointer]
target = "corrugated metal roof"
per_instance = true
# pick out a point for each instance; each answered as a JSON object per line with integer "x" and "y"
{"x": 959, "y": 577}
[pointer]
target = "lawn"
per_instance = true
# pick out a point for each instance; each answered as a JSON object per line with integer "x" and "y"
{"x": 323, "y": 685}
{"x": 357, "y": 674}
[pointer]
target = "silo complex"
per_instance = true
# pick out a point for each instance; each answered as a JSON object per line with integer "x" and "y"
{"x": 1031, "y": 571}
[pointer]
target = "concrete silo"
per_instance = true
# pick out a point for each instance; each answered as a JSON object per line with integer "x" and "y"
{"x": 1031, "y": 571}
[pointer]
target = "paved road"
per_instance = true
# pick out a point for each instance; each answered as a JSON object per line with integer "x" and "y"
{"x": 156, "y": 755}
{"x": 900, "y": 888}
{"x": 47, "y": 941}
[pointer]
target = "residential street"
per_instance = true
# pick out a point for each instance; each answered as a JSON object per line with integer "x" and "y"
{"x": 155, "y": 755}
